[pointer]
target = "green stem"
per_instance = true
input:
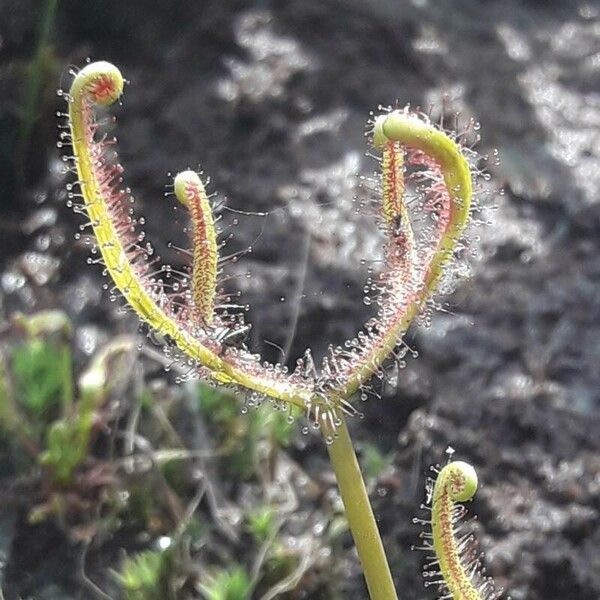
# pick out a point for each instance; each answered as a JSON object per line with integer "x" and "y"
{"x": 360, "y": 516}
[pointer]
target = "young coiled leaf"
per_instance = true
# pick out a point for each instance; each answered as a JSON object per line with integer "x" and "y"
{"x": 455, "y": 567}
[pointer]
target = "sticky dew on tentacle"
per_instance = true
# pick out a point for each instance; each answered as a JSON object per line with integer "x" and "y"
{"x": 454, "y": 565}
{"x": 208, "y": 301}
{"x": 320, "y": 408}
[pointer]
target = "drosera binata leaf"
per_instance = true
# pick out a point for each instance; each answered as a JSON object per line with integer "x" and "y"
{"x": 131, "y": 265}
{"x": 413, "y": 264}
{"x": 184, "y": 307}
{"x": 454, "y": 564}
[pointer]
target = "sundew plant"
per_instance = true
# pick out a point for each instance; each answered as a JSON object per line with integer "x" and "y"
{"x": 422, "y": 203}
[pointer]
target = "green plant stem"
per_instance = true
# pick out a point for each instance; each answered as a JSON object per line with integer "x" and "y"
{"x": 360, "y": 516}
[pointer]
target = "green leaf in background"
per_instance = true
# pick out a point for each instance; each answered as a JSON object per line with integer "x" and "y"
{"x": 232, "y": 584}
{"x": 43, "y": 379}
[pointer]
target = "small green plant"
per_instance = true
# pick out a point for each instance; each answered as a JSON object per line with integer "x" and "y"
{"x": 204, "y": 331}
{"x": 69, "y": 438}
{"x": 145, "y": 576}
{"x": 238, "y": 436}
{"x": 261, "y": 523}
{"x": 231, "y": 584}
{"x": 39, "y": 404}
{"x": 36, "y": 378}
{"x": 42, "y": 365}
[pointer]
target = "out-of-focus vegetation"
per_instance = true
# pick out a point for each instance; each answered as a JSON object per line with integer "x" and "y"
{"x": 39, "y": 404}
{"x": 232, "y": 584}
{"x": 240, "y": 435}
{"x": 145, "y": 576}
{"x": 22, "y": 113}
{"x": 194, "y": 489}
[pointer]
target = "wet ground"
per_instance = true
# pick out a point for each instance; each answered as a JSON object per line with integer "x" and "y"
{"x": 271, "y": 100}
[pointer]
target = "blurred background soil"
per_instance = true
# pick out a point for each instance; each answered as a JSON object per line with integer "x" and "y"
{"x": 271, "y": 99}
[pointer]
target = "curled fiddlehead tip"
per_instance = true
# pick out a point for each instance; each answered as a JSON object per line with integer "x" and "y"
{"x": 379, "y": 137}
{"x": 460, "y": 479}
{"x": 186, "y": 183}
{"x": 101, "y": 81}
{"x": 455, "y": 566}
